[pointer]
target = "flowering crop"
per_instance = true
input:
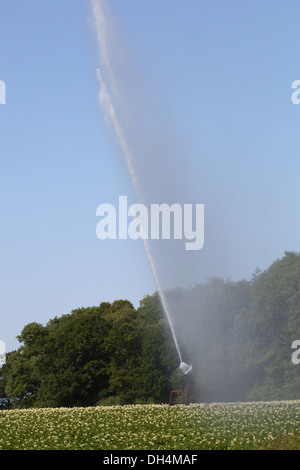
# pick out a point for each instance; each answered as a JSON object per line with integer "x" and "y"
{"x": 257, "y": 425}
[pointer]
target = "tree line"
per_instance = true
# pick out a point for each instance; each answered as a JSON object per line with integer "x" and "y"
{"x": 236, "y": 335}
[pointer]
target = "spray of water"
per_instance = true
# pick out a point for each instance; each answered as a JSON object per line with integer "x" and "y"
{"x": 107, "y": 104}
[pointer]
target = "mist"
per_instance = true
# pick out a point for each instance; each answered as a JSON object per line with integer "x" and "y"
{"x": 142, "y": 127}
{"x": 204, "y": 312}
{"x": 152, "y": 158}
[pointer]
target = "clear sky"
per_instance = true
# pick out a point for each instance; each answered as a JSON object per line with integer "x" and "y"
{"x": 216, "y": 76}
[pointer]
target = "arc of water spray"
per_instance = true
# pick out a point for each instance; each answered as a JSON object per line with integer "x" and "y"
{"x": 110, "y": 113}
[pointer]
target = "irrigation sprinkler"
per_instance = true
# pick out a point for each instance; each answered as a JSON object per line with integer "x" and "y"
{"x": 185, "y": 369}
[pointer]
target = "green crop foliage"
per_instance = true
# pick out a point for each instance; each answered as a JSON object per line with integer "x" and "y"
{"x": 226, "y": 426}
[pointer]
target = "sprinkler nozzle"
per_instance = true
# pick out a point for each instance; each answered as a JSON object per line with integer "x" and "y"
{"x": 185, "y": 368}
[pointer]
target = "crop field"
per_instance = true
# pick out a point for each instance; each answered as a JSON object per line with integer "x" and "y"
{"x": 259, "y": 425}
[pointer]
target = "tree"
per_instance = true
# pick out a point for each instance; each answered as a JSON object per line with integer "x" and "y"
{"x": 275, "y": 312}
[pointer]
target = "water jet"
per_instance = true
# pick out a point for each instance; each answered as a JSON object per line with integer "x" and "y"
{"x": 110, "y": 101}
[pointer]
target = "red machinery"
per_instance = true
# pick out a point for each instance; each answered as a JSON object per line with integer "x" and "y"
{"x": 185, "y": 393}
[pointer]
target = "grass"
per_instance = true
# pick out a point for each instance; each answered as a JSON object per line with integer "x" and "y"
{"x": 257, "y": 425}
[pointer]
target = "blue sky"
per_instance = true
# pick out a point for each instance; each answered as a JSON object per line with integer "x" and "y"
{"x": 215, "y": 78}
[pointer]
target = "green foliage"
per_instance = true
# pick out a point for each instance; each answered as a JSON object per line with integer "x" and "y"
{"x": 237, "y": 335}
{"x": 275, "y": 315}
{"x": 110, "y": 353}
